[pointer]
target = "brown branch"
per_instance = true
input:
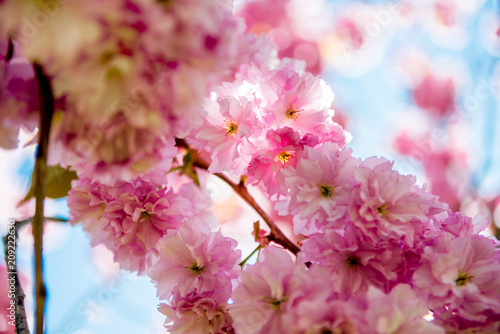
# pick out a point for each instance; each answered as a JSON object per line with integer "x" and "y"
{"x": 240, "y": 188}
{"x": 10, "y": 244}
{"x": 10, "y": 50}
{"x": 46, "y": 98}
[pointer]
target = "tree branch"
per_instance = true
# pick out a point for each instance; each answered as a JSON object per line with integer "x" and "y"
{"x": 240, "y": 188}
{"x": 46, "y": 99}
{"x": 10, "y": 50}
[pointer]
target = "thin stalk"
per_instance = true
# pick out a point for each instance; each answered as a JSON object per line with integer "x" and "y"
{"x": 46, "y": 99}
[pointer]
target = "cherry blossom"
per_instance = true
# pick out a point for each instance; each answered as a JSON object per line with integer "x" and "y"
{"x": 18, "y": 97}
{"x": 387, "y": 205}
{"x": 401, "y": 311}
{"x": 197, "y": 314}
{"x": 322, "y": 196}
{"x": 461, "y": 275}
{"x": 356, "y": 265}
{"x": 275, "y": 153}
{"x": 130, "y": 217}
{"x": 195, "y": 259}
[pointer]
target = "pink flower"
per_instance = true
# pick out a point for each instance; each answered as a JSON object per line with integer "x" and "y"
{"x": 231, "y": 123}
{"x": 119, "y": 148}
{"x": 321, "y": 314}
{"x": 277, "y": 296}
{"x": 194, "y": 259}
{"x": 18, "y": 97}
{"x": 356, "y": 265}
{"x": 197, "y": 314}
{"x": 387, "y": 205}
{"x": 448, "y": 319}
{"x": 400, "y": 311}
{"x": 315, "y": 307}
{"x": 461, "y": 275}
{"x": 138, "y": 222}
{"x": 275, "y": 153}
{"x": 318, "y": 188}
{"x": 263, "y": 293}
{"x": 130, "y": 217}
{"x": 459, "y": 225}
{"x": 144, "y": 70}
{"x": 435, "y": 95}
{"x": 298, "y": 100}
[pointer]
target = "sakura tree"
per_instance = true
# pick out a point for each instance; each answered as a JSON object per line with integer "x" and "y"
{"x": 138, "y": 104}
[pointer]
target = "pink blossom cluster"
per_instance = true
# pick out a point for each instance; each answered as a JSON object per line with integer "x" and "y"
{"x": 194, "y": 270}
{"x": 18, "y": 95}
{"x": 131, "y": 217}
{"x": 132, "y": 78}
{"x": 371, "y": 230}
{"x": 278, "y": 295}
{"x": 263, "y": 118}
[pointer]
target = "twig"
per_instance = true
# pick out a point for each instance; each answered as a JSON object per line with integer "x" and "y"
{"x": 46, "y": 99}
{"x": 10, "y": 50}
{"x": 276, "y": 234}
{"x": 240, "y": 188}
{"x": 18, "y": 295}
{"x": 244, "y": 261}
{"x": 22, "y": 223}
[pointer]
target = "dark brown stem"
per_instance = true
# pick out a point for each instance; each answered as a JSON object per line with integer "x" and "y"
{"x": 10, "y": 244}
{"x": 46, "y": 98}
{"x": 10, "y": 50}
{"x": 240, "y": 188}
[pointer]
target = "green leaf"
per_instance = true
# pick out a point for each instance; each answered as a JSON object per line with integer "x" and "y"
{"x": 192, "y": 174}
{"x": 256, "y": 230}
{"x": 187, "y": 167}
{"x": 188, "y": 158}
{"x": 57, "y": 183}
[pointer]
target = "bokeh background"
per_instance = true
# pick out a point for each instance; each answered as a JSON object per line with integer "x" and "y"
{"x": 416, "y": 81}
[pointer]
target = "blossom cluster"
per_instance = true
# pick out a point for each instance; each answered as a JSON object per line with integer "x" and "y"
{"x": 132, "y": 78}
{"x": 377, "y": 251}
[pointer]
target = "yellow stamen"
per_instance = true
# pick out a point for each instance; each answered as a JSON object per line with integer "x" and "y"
{"x": 276, "y": 303}
{"x": 231, "y": 127}
{"x": 292, "y": 113}
{"x": 194, "y": 270}
{"x": 382, "y": 209}
{"x": 463, "y": 278}
{"x": 284, "y": 156}
{"x": 325, "y": 190}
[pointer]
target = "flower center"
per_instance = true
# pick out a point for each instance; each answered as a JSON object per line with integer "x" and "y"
{"x": 325, "y": 190}
{"x": 194, "y": 269}
{"x": 231, "y": 127}
{"x": 463, "y": 278}
{"x": 382, "y": 209}
{"x": 352, "y": 262}
{"x": 292, "y": 113}
{"x": 284, "y": 156}
{"x": 276, "y": 303}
